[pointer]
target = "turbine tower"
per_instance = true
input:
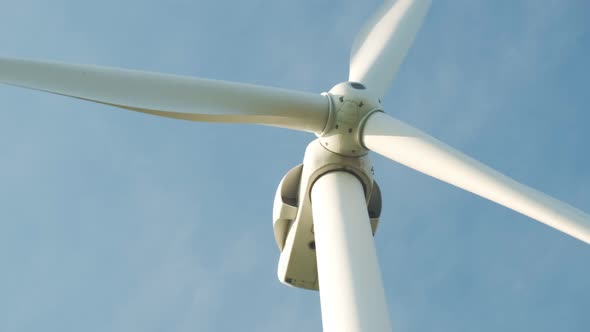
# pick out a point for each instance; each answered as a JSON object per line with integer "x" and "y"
{"x": 327, "y": 209}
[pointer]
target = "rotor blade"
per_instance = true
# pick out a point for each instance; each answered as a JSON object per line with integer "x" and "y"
{"x": 171, "y": 96}
{"x": 413, "y": 148}
{"x": 382, "y": 44}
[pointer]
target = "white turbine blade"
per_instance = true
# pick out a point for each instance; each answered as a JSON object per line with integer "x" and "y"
{"x": 382, "y": 44}
{"x": 172, "y": 96}
{"x": 413, "y": 148}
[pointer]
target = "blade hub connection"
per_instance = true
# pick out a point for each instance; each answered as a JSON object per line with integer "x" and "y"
{"x": 350, "y": 105}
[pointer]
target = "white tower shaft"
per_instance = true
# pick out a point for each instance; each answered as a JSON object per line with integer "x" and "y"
{"x": 351, "y": 291}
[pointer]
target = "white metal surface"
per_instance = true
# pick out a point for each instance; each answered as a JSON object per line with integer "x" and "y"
{"x": 351, "y": 291}
{"x": 172, "y": 96}
{"x": 350, "y": 103}
{"x": 381, "y": 45}
{"x": 286, "y": 204}
{"x": 413, "y": 148}
{"x": 297, "y": 263}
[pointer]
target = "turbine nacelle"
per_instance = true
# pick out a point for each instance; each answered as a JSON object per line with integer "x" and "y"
{"x": 350, "y": 105}
{"x": 338, "y": 148}
{"x": 293, "y": 222}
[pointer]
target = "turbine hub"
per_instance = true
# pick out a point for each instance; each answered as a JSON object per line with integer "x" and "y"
{"x": 350, "y": 105}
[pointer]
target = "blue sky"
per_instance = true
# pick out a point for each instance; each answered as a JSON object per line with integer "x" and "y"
{"x": 117, "y": 221}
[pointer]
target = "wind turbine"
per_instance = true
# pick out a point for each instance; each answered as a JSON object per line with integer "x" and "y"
{"x": 348, "y": 121}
